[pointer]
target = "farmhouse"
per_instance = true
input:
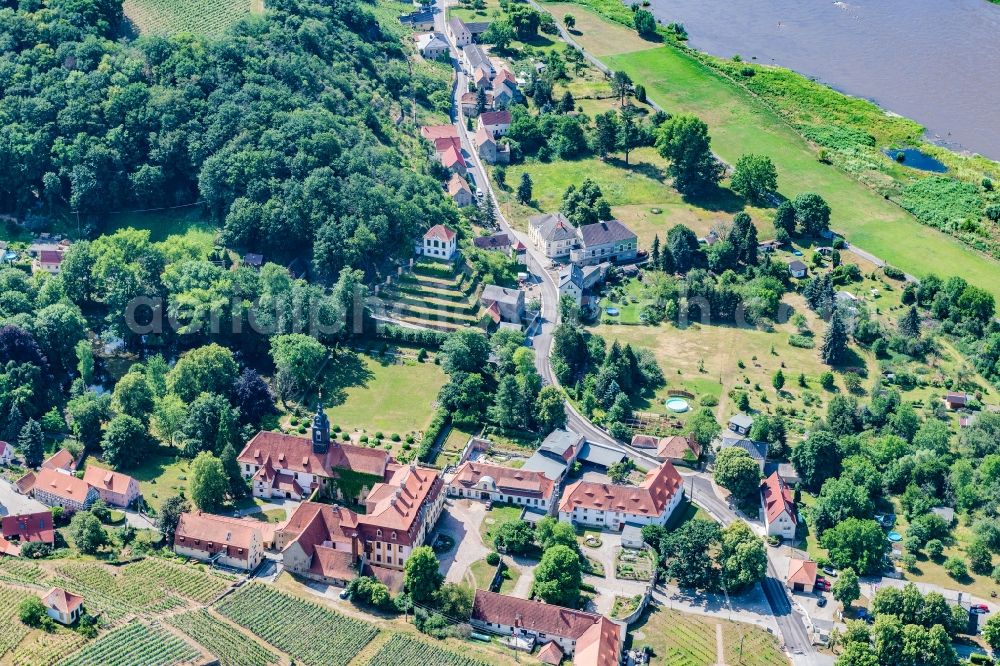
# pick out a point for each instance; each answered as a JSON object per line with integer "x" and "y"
{"x": 48, "y": 261}
{"x": 440, "y": 242}
{"x": 115, "y": 488}
{"x": 459, "y": 32}
{"x": 459, "y": 191}
{"x": 590, "y": 639}
{"x": 56, "y": 488}
{"x": 62, "y": 606}
{"x": 488, "y": 148}
{"x": 604, "y": 241}
{"x": 611, "y": 506}
{"x": 508, "y": 304}
{"x": 431, "y": 45}
{"x": 474, "y": 58}
{"x": 230, "y": 542}
{"x": 496, "y": 122}
{"x": 502, "y": 484}
{"x": 779, "y": 508}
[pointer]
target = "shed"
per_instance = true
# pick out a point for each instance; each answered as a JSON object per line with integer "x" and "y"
{"x": 632, "y": 536}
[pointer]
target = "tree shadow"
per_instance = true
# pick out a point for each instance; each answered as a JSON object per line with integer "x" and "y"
{"x": 345, "y": 371}
{"x": 720, "y": 199}
{"x": 646, "y": 169}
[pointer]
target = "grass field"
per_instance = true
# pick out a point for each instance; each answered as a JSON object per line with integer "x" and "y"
{"x": 160, "y": 475}
{"x": 162, "y": 224}
{"x": 680, "y": 639}
{"x": 495, "y": 517}
{"x": 364, "y": 393}
{"x": 201, "y": 17}
{"x": 740, "y": 124}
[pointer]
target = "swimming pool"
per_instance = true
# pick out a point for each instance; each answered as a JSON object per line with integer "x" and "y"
{"x": 677, "y": 405}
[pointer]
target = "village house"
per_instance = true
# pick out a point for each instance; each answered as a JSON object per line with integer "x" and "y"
{"x": 115, "y": 488}
{"x": 440, "y": 242}
{"x": 253, "y": 260}
{"x": 955, "y": 400}
{"x": 576, "y": 281}
{"x": 321, "y": 542}
{"x": 29, "y": 528}
{"x": 477, "y": 28}
{"x": 610, "y": 506}
{"x": 62, "y": 606}
{"x": 459, "y": 191}
{"x": 495, "y": 122}
{"x": 557, "y": 452}
{"x": 504, "y": 89}
{"x": 489, "y": 150}
{"x": 502, "y": 484}
{"x": 229, "y": 542}
{"x": 801, "y": 575}
{"x": 56, "y": 488}
{"x": 474, "y": 58}
{"x": 459, "y": 32}
{"x": 797, "y": 269}
{"x": 48, "y": 261}
{"x": 676, "y": 449}
{"x": 61, "y": 460}
{"x": 757, "y": 450}
{"x": 503, "y": 304}
{"x": 497, "y": 241}
{"x": 587, "y": 638}
{"x": 447, "y": 146}
{"x": 6, "y": 453}
{"x": 604, "y": 241}
{"x": 470, "y": 103}
{"x": 552, "y": 233}
{"x": 422, "y": 20}
{"x": 431, "y": 45}
{"x": 777, "y": 502}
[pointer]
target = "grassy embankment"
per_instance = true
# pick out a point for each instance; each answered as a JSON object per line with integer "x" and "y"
{"x": 741, "y": 122}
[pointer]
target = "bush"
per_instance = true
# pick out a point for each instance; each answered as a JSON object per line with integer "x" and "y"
{"x": 493, "y": 558}
{"x": 935, "y": 549}
{"x": 395, "y": 437}
{"x": 893, "y": 272}
{"x": 826, "y": 380}
{"x": 440, "y": 420}
{"x": 36, "y": 550}
{"x": 801, "y": 341}
{"x": 956, "y": 568}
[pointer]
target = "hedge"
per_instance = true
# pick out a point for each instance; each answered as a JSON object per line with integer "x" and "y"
{"x": 438, "y": 423}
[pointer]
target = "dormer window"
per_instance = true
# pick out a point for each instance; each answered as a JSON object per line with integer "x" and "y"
{"x": 393, "y": 536}
{"x": 378, "y": 533}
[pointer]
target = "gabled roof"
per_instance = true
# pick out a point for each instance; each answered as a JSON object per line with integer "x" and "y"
{"x": 493, "y": 242}
{"x": 452, "y": 156}
{"x": 326, "y": 533}
{"x": 398, "y": 504}
{"x": 476, "y": 57}
{"x": 797, "y": 266}
{"x": 65, "y": 486}
{"x": 648, "y": 499}
{"x": 107, "y": 479}
{"x": 484, "y": 136}
{"x": 30, "y": 527}
{"x": 61, "y": 600}
{"x": 4, "y": 447}
{"x": 602, "y": 233}
{"x": 505, "y": 75}
{"x": 562, "y": 443}
{"x": 677, "y": 446}
{"x": 802, "y": 572}
{"x": 457, "y": 25}
{"x": 507, "y": 479}
{"x": 600, "y": 645}
{"x": 742, "y": 420}
{"x": 777, "y": 498}
{"x": 430, "y": 39}
{"x": 533, "y": 615}
{"x": 61, "y": 459}
{"x": 553, "y": 226}
{"x": 501, "y": 117}
{"x": 550, "y": 654}
{"x": 212, "y": 534}
{"x": 432, "y": 132}
{"x": 457, "y": 184}
{"x": 493, "y": 293}
{"x": 571, "y": 274}
{"x": 50, "y": 257}
{"x": 441, "y": 233}
{"x": 26, "y": 483}
{"x": 288, "y": 452}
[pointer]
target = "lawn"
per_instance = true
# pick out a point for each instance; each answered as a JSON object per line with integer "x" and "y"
{"x": 162, "y": 224}
{"x": 160, "y": 475}
{"x": 452, "y": 446}
{"x": 680, "y": 638}
{"x": 740, "y": 124}
{"x": 363, "y": 393}
{"x": 201, "y": 17}
{"x": 495, "y": 517}
{"x": 480, "y": 574}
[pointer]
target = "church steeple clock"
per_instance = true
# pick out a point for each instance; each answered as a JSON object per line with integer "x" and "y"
{"x": 320, "y": 430}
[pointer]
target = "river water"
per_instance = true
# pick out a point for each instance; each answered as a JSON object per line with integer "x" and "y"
{"x": 935, "y": 61}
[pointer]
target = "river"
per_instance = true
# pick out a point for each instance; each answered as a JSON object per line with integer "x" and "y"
{"x": 935, "y": 61}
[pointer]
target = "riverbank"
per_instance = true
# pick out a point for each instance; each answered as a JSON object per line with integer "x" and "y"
{"x": 773, "y": 121}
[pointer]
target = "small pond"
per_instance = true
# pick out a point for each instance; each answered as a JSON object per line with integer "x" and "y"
{"x": 915, "y": 159}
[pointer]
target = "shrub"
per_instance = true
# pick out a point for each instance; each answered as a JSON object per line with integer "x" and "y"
{"x": 893, "y": 272}
{"x": 935, "y": 548}
{"x": 395, "y": 437}
{"x": 493, "y": 558}
{"x": 801, "y": 341}
{"x": 826, "y": 380}
{"x": 956, "y": 568}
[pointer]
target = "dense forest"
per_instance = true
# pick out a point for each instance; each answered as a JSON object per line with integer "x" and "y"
{"x": 282, "y": 128}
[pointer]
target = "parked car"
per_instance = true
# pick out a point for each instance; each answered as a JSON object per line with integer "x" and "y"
{"x": 979, "y": 609}
{"x": 822, "y": 584}
{"x": 830, "y": 571}
{"x": 345, "y": 593}
{"x": 821, "y": 602}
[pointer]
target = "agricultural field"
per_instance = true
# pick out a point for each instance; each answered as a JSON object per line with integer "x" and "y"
{"x": 134, "y": 643}
{"x": 13, "y": 570}
{"x": 191, "y": 582}
{"x": 405, "y": 651}
{"x": 681, "y": 639}
{"x": 371, "y": 395}
{"x": 14, "y": 630}
{"x": 209, "y": 18}
{"x": 230, "y": 645}
{"x": 43, "y": 647}
{"x": 312, "y": 634}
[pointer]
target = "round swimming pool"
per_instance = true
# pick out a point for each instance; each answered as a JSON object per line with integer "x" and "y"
{"x": 612, "y": 311}
{"x": 895, "y": 537}
{"x": 677, "y": 405}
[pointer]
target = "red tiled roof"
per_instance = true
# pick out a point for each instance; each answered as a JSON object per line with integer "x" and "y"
{"x": 645, "y": 441}
{"x": 61, "y": 459}
{"x": 550, "y": 654}
{"x": 440, "y": 232}
{"x": 212, "y": 534}
{"x": 107, "y": 479}
{"x": 507, "y": 479}
{"x": 287, "y": 452}
{"x": 30, "y": 527}
{"x": 601, "y": 645}
{"x": 483, "y": 136}
{"x": 778, "y": 498}
{"x": 648, "y": 499}
{"x": 26, "y": 483}
{"x": 61, "y": 600}
{"x": 50, "y": 257}
{"x": 397, "y": 504}
{"x": 61, "y": 485}
{"x": 505, "y": 75}
{"x": 314, "y": 524}
{"x": 451, "y": 157}
{"x": 802, "y": 572}
{"x": 432, "y": 132}
{"x": 501, "y": 117}
{"x": 677, "y": 446}
{"x": 493, "y": 310}
{"x": 9, "y": 548}
{"x": 457, "y": 184}
{"x": 533, "y": 615}
{"x": 333, "y": 563}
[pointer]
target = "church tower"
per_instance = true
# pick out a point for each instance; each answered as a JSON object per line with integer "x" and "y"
{"x": 320, "y": 430}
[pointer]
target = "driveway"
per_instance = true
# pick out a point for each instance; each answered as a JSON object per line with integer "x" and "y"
{"x": 460, "y": 520}
{"x": 12, "y": 503}
{"x": 609, "y": 587}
